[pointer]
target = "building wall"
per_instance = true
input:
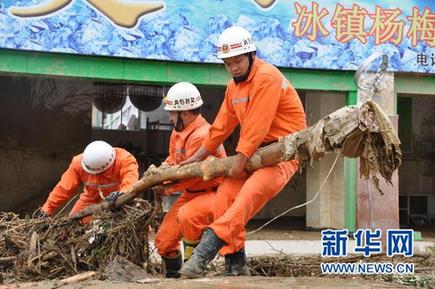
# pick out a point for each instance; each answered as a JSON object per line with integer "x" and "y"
{"x": 44, "y": 123}
{"x": 327, "y": 211}
{"x": 417, "y": 172}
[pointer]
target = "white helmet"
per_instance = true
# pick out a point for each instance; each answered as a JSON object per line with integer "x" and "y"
{"x": 235, "y": 41}
{"x": 97, "y": 157}
{"x": 182, "y": 96}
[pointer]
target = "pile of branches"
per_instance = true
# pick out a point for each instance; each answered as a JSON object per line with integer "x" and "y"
{"x": 284, "y": 265}
{"x": 32, "y": 249}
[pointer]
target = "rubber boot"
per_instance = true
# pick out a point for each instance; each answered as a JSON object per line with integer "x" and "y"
{"x": 189, "y": 246}
{"x": 172, "y": 265}
{"x": 203, "y": 254}
{"x": 235, "y": 264}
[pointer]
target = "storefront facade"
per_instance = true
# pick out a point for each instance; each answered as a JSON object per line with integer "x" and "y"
{"x": 315, "y": 45}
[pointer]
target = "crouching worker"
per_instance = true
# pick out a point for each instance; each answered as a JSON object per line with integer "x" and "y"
{"x": 193, "y": 210}
{"x": 105, "y": 173}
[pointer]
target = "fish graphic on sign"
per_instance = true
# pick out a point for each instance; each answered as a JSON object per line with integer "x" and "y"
{"x": 264, "y": 3}
{"x": 122, "y": 12}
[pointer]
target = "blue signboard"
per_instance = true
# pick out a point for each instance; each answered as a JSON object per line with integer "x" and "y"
{"x": 301, "y": 34}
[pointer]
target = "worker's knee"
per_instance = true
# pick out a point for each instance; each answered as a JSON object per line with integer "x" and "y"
{"x": 185, "y": 215}
{"x": 163, "y": 245}
{"x": 159, "y": 240}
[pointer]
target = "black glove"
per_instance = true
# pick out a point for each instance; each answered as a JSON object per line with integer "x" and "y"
{"x": 40, "y": 214}
{"x": 112, "y": 197}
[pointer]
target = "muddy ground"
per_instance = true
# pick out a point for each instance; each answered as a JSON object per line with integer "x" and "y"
{"x": 218, "y": 283}
{"x": 287, "y": 271}
{"x": 271, "y": 271}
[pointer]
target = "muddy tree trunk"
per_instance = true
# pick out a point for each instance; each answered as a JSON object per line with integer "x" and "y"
{"x": 364, "y": 132}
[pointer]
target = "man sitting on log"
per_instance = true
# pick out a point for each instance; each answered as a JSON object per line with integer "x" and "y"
{"x": 266, "y": 106}
{"x": 193, "y": 210}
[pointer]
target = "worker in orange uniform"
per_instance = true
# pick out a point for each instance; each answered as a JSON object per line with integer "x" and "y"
{"x": 194, "y": 208}
{"x": 266, "y": 106}
{"x": 105, "y": 172}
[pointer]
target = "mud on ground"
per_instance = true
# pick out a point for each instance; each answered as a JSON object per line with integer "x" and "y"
{"x": 279, "y": 271}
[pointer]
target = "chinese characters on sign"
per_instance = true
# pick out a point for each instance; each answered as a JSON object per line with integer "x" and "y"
{"x": 426, "y": 59}
{"x": 372, "y": 242}
{"x": 334, "y": 242}
{"x": 350, "y": 24}
{"x": 399, "y": 242}
{"x": 307, "y": 20}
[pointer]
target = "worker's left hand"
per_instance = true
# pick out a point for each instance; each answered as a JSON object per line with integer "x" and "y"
{"x": 237, "y": 171}
{"x": 40, "y": 214}
{"x": 112, "y": 197}
{"x": 163, "y": 188}
{"x": 159, "y": 189}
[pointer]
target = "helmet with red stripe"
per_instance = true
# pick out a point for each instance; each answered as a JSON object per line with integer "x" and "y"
{"x": 182, "y": 96}
{"x": 235, "y": 41}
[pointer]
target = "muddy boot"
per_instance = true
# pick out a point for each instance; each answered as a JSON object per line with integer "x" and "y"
{"x": 189, "y": 246}
{"x": 203, "y": 254}
{"x": 172, "y": 265}
{"x": 235, "y": 264}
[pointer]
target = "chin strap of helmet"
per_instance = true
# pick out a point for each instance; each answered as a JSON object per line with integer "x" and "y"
{"x": 179, "y": 125}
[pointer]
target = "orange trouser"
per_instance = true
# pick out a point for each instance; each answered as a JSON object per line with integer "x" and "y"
{"x": 237, "y": 201}
{"x": 187, "y": 218}
{"x": 81, "y": 204}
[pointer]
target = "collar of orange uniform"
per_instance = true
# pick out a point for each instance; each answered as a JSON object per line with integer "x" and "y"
{"x": 257, "y": 62}
{"x": 191, "y": 127}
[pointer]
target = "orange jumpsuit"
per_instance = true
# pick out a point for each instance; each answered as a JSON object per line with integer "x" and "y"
{"x": 267, "y": 107}
{"x": 194, "y": 209}
{"x": 119, "y": 177}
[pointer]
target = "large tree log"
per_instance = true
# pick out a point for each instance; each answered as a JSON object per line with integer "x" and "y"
{"x": 363, "y": 131}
